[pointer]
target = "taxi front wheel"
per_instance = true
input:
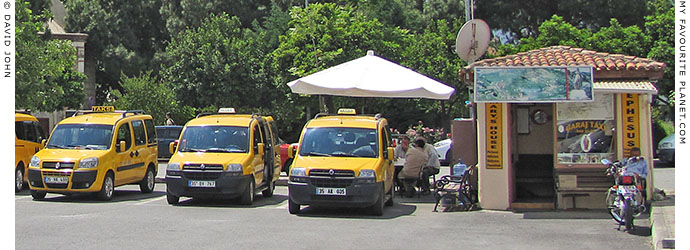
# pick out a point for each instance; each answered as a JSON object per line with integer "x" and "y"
{"x": 293, "y": 207}
{"x": 172, "y": 199}
{"x": 37, "y": 195}
{"x": 247, "y": 197}
{"x": 107, "y": 188}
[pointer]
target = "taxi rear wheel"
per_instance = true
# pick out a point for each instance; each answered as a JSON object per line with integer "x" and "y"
{"x": 269, "y": 191}
{"x": 149, "y": 182}
{"x": 37, "y": 195}
{"x": 248, "y": 195}
{"x": 18, "y": 179}
{"x": 107, "y": 188}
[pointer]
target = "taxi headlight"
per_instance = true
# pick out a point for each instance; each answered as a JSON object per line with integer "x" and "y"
{"x": 234, "y": 167}
{"x": 35, "y": 161}
{"x": 367, "y": 173}
{"x": 173, "y": 166}
{"x": 298, "y": 172}
{"x": 89, "y": 163}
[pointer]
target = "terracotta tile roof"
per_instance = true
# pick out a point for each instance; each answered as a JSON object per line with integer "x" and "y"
{"x": 568, "y": 56}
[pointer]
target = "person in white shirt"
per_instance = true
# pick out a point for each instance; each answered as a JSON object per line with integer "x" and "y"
{"x": 432, "y": 167}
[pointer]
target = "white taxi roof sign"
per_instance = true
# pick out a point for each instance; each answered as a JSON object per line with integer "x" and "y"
{"x": 347, "y": 111}
{"x": 103, "y": 108}
{"x": 226, "y": 110}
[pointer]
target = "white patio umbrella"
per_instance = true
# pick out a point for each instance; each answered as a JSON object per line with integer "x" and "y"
{"x": 371, "y": 76}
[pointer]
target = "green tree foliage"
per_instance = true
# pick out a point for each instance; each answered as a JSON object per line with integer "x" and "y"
{"x": 124, "y": 37}
{"x": 219, "y": 64}
{"x": 522, "y": 18}
{"x": 659, "y": 26}
{"x": 184, "y": 14}
{"x": 155, "y": 97}
{"x": 46, "y": 79}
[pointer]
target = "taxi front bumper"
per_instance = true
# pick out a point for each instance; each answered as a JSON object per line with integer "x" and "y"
{"x": 224, "y": 186}
{"x": 78, "y": 181}
{"x": 357, "y": 194}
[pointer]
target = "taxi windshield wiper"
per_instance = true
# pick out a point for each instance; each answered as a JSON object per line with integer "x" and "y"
{"x": 222, "y": 150}
{"x": 316, "y": 154}
{"x": 57, "y": 146}
{"x": 343, "y": 154}
{"x": 192, "y": 150}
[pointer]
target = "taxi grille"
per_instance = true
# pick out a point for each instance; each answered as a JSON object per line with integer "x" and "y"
{"x": 202, "y": 175}
{"x": 62, "y": 165}
{"x": 324, "y": 178}
{"x": 206, "y": 167}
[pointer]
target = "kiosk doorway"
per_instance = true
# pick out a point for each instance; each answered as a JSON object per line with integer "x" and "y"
{"x": 533, "y": 156}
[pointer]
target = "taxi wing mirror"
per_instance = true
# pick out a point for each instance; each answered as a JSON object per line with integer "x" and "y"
{"x": 172, "y": 146}
{"x": 122, "y": 146}
{"x": 291, "y": 152}
{"x": 389, "y": 153}
{"x": 43, "y": 142}
{"x": 261, "y": 148}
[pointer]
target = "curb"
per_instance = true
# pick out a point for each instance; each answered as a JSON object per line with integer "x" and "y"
{"x": 662, "y": 221}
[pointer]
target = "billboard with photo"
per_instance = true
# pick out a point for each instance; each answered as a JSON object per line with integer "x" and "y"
{"x": 533, "y": 84}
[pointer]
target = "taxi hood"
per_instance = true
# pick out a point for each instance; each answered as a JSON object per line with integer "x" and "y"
{"x": 343, "y": 163}
{"x": 53, "y": 154}
{"x": 210, "y": 158}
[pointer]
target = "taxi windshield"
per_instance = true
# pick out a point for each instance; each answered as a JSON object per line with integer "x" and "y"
{"x": 81, "y": 136}
{"x": 340, "y": 142}
{"x": 217, "y": 139}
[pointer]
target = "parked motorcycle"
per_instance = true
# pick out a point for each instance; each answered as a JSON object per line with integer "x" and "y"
{"x": 624, "y": 199}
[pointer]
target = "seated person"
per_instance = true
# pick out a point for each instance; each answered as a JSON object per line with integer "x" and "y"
{"x": 433, "y": 167}
{"x": 415, "y": 160}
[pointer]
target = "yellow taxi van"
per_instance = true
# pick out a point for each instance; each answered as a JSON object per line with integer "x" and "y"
{"x": 224, "y": 155}
{"x": 94, "y": 152}
{"x": 343, "y": 160}
{"x": 28, "y": 135}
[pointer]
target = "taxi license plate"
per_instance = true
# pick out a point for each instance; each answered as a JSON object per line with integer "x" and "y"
{"x": 202, "y": 184}
{"x": 56, "y": 179}
{"x": 330, "y": 191}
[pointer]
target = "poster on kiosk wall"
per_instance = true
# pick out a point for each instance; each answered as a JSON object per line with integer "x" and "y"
{"x": 533, "y": 84}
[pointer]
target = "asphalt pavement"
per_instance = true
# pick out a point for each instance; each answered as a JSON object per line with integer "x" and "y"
{"x": 660, "y": 221}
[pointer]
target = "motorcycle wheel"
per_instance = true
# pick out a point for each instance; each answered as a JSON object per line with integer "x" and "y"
{"x": 628, "y": 214}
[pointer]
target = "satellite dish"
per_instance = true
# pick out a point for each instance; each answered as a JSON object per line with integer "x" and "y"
{"x": 473, "y": 40}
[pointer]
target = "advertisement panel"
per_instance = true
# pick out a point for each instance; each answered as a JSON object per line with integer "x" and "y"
{"x": 631, "y": 122}
{"x": 533, "y": 84}
{"x": 494, "y": 136}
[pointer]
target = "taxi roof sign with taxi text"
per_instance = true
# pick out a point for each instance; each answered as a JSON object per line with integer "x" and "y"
{"x": 347, "y": 111}
{"x": 226, "y": 110}
{"x": 103, "y": 108}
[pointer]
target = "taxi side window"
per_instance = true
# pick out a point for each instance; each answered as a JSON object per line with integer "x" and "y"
{"x": 386, "y": 137}
{"x": 123, "y": 134}
{"x": 257, "y": 138}
{"x": 39, "y": 132}
{"x": 139, "y": 133}
{"x": 150, "y": 131}
{"x": 19, "y": 130}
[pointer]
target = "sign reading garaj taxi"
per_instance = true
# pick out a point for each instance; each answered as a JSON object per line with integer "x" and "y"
{"x": 494, "y": 136}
